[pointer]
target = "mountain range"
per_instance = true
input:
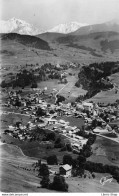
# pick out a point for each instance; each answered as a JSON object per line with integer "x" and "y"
{"x": 96, "y": 40}
{"x": 74, "y": 28}
{"x": 18, "y": 26}
{"x": 112, "y": 25}
{"x": 21, "y": 27}
{"x": 67, "y": 27}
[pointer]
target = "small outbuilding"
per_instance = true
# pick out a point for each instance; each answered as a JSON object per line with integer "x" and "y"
{"x": 65, "y": 170}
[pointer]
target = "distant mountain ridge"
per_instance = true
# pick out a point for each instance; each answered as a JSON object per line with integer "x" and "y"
{"x": 67, "y": 27}
{"x": 74, "y": 28}
{"x": 15, "y": 25}
{"x": 112, "y": 26}
{"x": 97, "y": 41}
{"x": 18, "y": 26}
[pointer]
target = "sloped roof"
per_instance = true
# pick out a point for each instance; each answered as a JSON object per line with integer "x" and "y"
{"x": 66, "y": 167}
{"x": 87, "y": 104}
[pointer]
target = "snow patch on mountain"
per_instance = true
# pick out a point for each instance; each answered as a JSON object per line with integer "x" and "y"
{"x": 67, "y": 27}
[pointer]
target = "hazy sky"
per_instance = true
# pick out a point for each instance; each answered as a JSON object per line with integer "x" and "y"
{"x": 48, "y": 13}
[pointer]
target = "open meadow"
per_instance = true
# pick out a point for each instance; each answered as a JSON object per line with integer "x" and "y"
{"x": 105, "y": 151}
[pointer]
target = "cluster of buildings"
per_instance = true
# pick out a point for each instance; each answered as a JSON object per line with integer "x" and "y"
{"x": 96, "y": 119}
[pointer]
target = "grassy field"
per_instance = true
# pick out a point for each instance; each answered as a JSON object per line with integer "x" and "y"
{"x": 17, "y": 172}
{"x": 50, "y": 84}
{"x": 105, "y": 97}
{"x": 105, "y": 151}
{"x": 90, "y": 185}
{"x": 71, "y": 92}
{"x": 79, "y": 122}
{"x": 37, "y": 150}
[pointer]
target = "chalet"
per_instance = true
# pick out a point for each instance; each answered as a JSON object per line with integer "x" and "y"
{"x": 88, "y": 106}
{"x": 76, "y": 146}
{"x": 65, "y": 170}
{"x": 95, "y": 113}
{"x": 88, "y": 120}
{"x": 64, "y": 131}
{"x": 84, "y": 141}
{"x": 11, "y": 128}
{"x": 79, "y": 107}
{"x": 63, "y": 122}
{"x": 77, "y": 137}
{"x": 52, "y": 121}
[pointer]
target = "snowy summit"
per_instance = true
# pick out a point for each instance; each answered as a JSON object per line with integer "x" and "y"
{"x": 18, "y": 26}
{"x": 67, "y": 27}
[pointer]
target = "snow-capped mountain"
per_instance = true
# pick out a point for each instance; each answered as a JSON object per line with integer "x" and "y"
{"x": 18, "y": 26}
{"x": 21, "y": 27}
{"x": 67, "y": 27}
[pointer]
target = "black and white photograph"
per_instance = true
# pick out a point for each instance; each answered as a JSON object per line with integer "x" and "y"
{"x": 59, "y": 97}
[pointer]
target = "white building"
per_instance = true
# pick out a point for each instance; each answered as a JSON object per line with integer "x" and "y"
{"x": 100, "y": 130}
{"x": 88, "y": 106}
{"x": 65, "y": 170}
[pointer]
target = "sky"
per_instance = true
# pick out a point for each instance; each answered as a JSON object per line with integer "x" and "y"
{"x": 49, "y": 13}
